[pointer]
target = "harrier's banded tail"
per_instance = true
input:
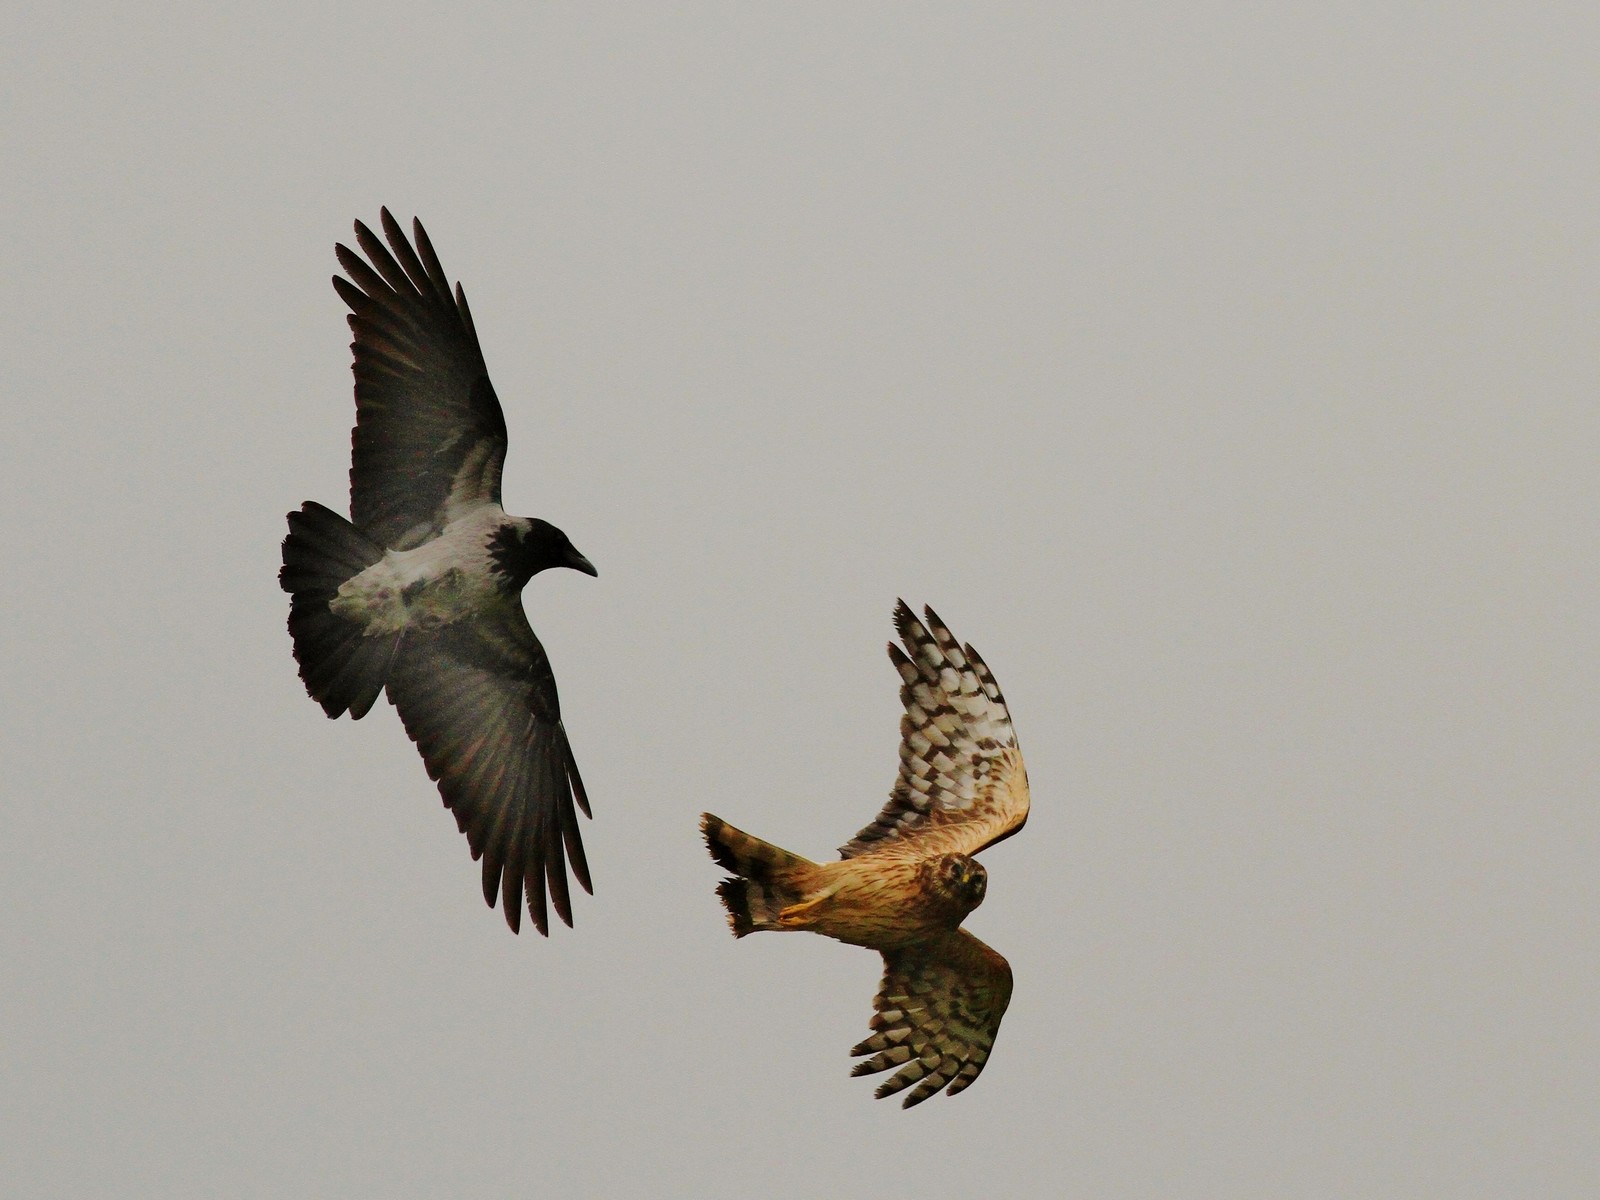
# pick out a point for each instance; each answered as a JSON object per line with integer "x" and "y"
{"x": 766, "y": 879}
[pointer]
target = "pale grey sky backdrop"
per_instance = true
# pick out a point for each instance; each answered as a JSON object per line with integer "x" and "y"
{"x": 1226, "y": 373}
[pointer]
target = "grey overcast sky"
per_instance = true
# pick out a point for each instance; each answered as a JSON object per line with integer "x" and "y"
{"x": 1225, "y": 372}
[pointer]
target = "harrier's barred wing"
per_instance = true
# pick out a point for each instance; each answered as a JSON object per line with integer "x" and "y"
{"x": 479, "y": 699}
{"x": 962, "y": 784}
{"x": 429, "y": 432}
{"x": 937, "y": 1013}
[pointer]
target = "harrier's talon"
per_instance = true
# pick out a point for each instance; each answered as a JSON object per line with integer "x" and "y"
{"x": 797, "y": 915}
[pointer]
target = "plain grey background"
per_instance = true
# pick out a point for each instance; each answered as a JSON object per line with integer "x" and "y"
{"x": 1225, "y": 372}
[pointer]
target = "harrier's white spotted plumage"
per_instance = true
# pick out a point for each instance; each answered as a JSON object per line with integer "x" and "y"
{"x": 962, "y": 785}
{"x": 905, "y": 883}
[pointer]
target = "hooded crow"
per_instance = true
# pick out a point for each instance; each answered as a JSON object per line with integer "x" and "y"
{"x": 420, "y": 594}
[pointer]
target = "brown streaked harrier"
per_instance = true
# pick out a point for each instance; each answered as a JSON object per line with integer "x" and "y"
{"x": 421, "y": 594}
{"x": 905, "y": 883}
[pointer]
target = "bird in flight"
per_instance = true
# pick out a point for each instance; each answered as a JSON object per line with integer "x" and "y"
{"x": 420, "y": 593}
{"x": 905, "y": 883}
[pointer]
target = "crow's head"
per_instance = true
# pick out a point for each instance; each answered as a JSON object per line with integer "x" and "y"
{"x": 523, "y": 548}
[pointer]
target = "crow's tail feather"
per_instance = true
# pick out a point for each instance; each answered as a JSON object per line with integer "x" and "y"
{"x": 343, "y": 669}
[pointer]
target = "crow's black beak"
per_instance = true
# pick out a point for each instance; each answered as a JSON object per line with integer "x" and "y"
{"x": 579, "y": 563}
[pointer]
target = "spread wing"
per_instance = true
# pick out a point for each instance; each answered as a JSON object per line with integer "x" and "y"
{"x": 962, "y": 783}
{"x": 938, "y": 1010}
{"x": 429, "y": 432}
{"x": 479, "y": 699}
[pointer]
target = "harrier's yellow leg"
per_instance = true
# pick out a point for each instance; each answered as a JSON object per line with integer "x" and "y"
{"x": 798, "y": 916}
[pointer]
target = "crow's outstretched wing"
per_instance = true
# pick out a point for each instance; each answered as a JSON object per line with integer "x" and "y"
{"x": 479, "y": 699}
{"x": 430, "y": 439}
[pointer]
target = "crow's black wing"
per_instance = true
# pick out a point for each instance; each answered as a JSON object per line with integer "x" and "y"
{"x": 479, "y": 699}
{"x": 430, "y": 439}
